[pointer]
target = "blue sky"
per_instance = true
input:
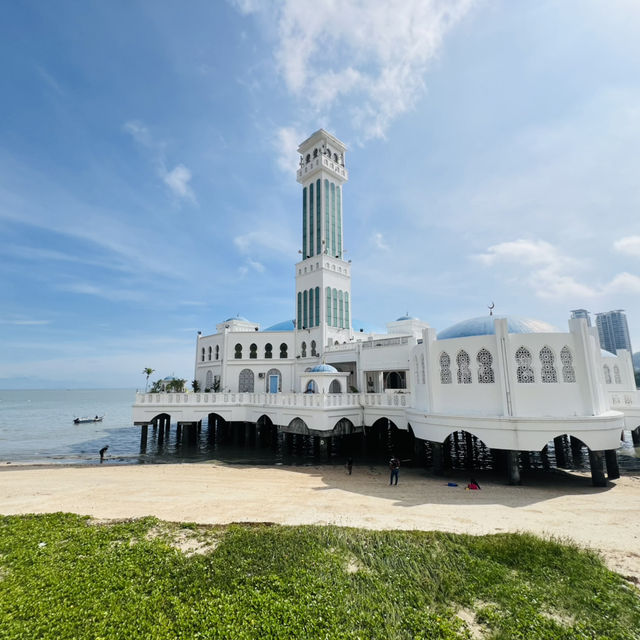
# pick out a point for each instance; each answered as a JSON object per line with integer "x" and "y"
{"x": 148, "y": 154}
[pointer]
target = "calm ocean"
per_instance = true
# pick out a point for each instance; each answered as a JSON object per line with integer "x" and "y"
{"x": 37, "y": 426}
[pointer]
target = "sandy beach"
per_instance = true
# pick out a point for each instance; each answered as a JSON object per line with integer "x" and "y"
{"x": 565, "y": 506}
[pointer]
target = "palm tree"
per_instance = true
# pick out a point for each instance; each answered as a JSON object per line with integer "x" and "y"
{"x": 147, "y": 371}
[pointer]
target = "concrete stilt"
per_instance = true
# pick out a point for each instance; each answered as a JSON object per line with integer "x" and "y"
{"x": 611, "y": 460}
{"x": 437, "y": 458}
{"x": 179, "y": 433}
{"x": 635, "y": 436}
{"x": 561, "y": 458}
{"x": 513, "y": 470}
{"x": 596, "y": 460}
{"x": 144, "y": 430}
{"x": 576, "y": 451}
{"x": 161, "y": 432}
{"x": 525, "y": 456}
{"x": 468, "y": 450}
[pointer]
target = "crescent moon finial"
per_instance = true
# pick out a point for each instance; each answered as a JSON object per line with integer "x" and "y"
{"x": 491, "y": 308}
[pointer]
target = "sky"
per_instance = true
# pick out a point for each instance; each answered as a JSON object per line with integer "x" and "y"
{"x": 148, "y": 157}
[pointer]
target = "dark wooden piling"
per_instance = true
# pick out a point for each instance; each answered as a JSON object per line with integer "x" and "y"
{"x": 611, "y": 460}
{"x": 596, "y": 461}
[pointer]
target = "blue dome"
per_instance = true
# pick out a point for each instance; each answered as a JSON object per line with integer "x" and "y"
{"x": 405, "y": 318}
{"x": 483, "y": 326}
{"x": 286, "y": 325}
{"x": 237, "y": 318}
{"x": 324, "y": 368}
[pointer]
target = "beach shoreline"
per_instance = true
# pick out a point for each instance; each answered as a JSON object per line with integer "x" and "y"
{"x": 564, "y": 506}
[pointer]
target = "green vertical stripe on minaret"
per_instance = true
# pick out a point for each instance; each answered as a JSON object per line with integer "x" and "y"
{"x": 311, "y": 228}
{"x": 318, "y": 219}
{"x": 328, "y": 305}
{"x": 327, "y": 227}
{"x": 310, "y": 308}
{"x": 299, "y": 323}
{"x": 334, "y": 309}
{"x": 333, "y": 220}
{"x": 339, "y": 219}
{"x": 304, "y": 223}
{"x": 341, "y": 309}
{"x": 347, "y": 322}
{"x": 317, "y": 306}
{"x": 305, "y": 307}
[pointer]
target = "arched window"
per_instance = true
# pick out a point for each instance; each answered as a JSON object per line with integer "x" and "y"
{"x": 299, "y": 325}
{"x": 485, "y": 368}
{"x": 568, "y": 373}
{"x": 464, "y": 371}
{"x": 308, "y": 157}
{"x": 238, "y": 353}
{"x": 273, "y": 385}
{"x": 305, "y": 309}
{"x": 217, "y": 352}
{"x": 267, "y": 350}
{"x": 202, "y": 354}
{"x": 445, "y": 368}
{"x": 283, "y": 350}
{"x": 347, "y": 321}
{"x": 313, "y": 348}
{"x": 616, "y": 374}
{"x": 315, "y": 153}
{"x": 395, "y": 380}
{"x": 334, "y": 306}
{"x": 329, "y": 306}
{"x": 548, "y": 371}
{"x": 208, "y": 381}
{"x": 245, "y": 381}
{"x": 340, "y": 310}
{"x": 303, "y": 347}
{"x": 312, "y": 387}
{"x": 210, "y": 352}
{"x": 607, "y": 374}
{"x": 335, "y": 387}
{"x": 524, "y": 371}
{"x": 253, "y": 351}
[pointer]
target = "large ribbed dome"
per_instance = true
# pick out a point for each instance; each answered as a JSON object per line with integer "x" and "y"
{"x": 286, "y": 325}
{"x": 483, "y": 326}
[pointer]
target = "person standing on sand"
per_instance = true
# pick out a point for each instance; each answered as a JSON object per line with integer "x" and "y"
{"x": 394, "y": 467}
{"x": 102, "y": 452}
{"x": 349, "y": 465}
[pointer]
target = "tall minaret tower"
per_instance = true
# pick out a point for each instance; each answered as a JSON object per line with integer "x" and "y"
{"x": 323, "y": 277}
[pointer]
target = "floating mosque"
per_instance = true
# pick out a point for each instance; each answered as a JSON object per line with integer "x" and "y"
{"x": 513, "y": 387}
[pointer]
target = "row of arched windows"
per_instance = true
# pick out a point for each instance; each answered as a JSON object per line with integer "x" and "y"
{"x": 524, "y": 371}
{"x": 203, "y": 353}
{"x": 253, "y": 351}
{"x": 308, "y": 308}
{"x": 616, "y": 374}
{"x": 337, "y": 308}
{"x": 303, "y": 349}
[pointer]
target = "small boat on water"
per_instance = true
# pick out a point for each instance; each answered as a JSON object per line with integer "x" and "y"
{"x": 85, "y": 420}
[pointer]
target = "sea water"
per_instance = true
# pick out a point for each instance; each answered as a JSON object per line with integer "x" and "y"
{"x": 36, "y": 426}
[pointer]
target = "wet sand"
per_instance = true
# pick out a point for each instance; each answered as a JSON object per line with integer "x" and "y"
{"x": 563, "y": 506}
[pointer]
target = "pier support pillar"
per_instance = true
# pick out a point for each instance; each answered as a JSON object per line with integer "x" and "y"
{"x": 611, "y": 460}
{"x": 596, "y": 460}
{"x": 561, "y": 456}
{"x": 144, "y": 430}
{"x": 635, "y": 436}
{"x": 513, "y": 470}
{"x": 576, "y": 451}
{"x": 437, "y": 456}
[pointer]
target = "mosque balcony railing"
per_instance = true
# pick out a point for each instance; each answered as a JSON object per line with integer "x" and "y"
{"x": 308, "y": 400}
{"x": 347, "y": 346}
{"x": 385, "y": 342}
{"x": 620, "y": 399}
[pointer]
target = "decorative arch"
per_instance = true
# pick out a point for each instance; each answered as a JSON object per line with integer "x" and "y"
{"x": 394, "y": 380}
{"x": 313, "y": 348}
{"x": 253, "y": 351}
{"x": 202, "y": 358}
{"x": 464, "y": 371}
{"x": 238, "y": 352}
{"x": 548, "y": 371}
{"x": 616, "y": 374}
{"x": 268, "y": 351}
{"x": 246, "y": 381}
{"x": 217, "y": 352}
{"x": 524, "y": 372}
{"x": 303, "y": 349}
{"x": 311, "y": 387}
{"x": 283, "y": 350}
{"x": 445, "y": 368}
{"x": 607, "y": 373}
{"x": 486, "y": 374}
{"x": 335, "y": 387}
{"x": 210, "y": 352}
{"x": 273, "y": 372}
{"x": 208, "y": 380}
{"x": 568, "y": 372}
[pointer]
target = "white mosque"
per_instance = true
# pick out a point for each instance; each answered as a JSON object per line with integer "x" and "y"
{"x": 515, "y": 384}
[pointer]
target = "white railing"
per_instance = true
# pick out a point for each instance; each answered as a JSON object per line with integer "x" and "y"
{"x": 348, "y": 346}
{"x": 384, "y": 342}
{"x": 620, "y": 399}
{"x": 309, "y": 400}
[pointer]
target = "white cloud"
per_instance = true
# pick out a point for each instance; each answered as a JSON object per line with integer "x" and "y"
{"x": 529, "y": 252}
{"x": 624, "y": 283}
{"x": 263, "y": 240}
{"x": 375, "y": 51}
{"x": 178, "y": 181}
{"x": 378, "y": 241}
{"x": 629, "y": 245}
{"x": 286, "y": 144}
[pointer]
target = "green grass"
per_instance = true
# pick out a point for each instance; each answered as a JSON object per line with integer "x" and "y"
{"x": 64, "y": 576}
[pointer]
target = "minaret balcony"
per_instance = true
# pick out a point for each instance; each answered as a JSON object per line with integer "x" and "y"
{"x": 322, "y": 162}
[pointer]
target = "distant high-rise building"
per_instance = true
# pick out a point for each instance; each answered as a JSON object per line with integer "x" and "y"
{"x": 581, "y": 313}
{"x": 613, "y": 330}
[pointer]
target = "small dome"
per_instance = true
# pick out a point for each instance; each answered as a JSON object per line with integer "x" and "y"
{"x": 324, "y": 368}
{"x": 237, "y": 318}
{"x": 401, "y": 318}
{"x": 285, "y": 325}
{"x": 483, "y": 326}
